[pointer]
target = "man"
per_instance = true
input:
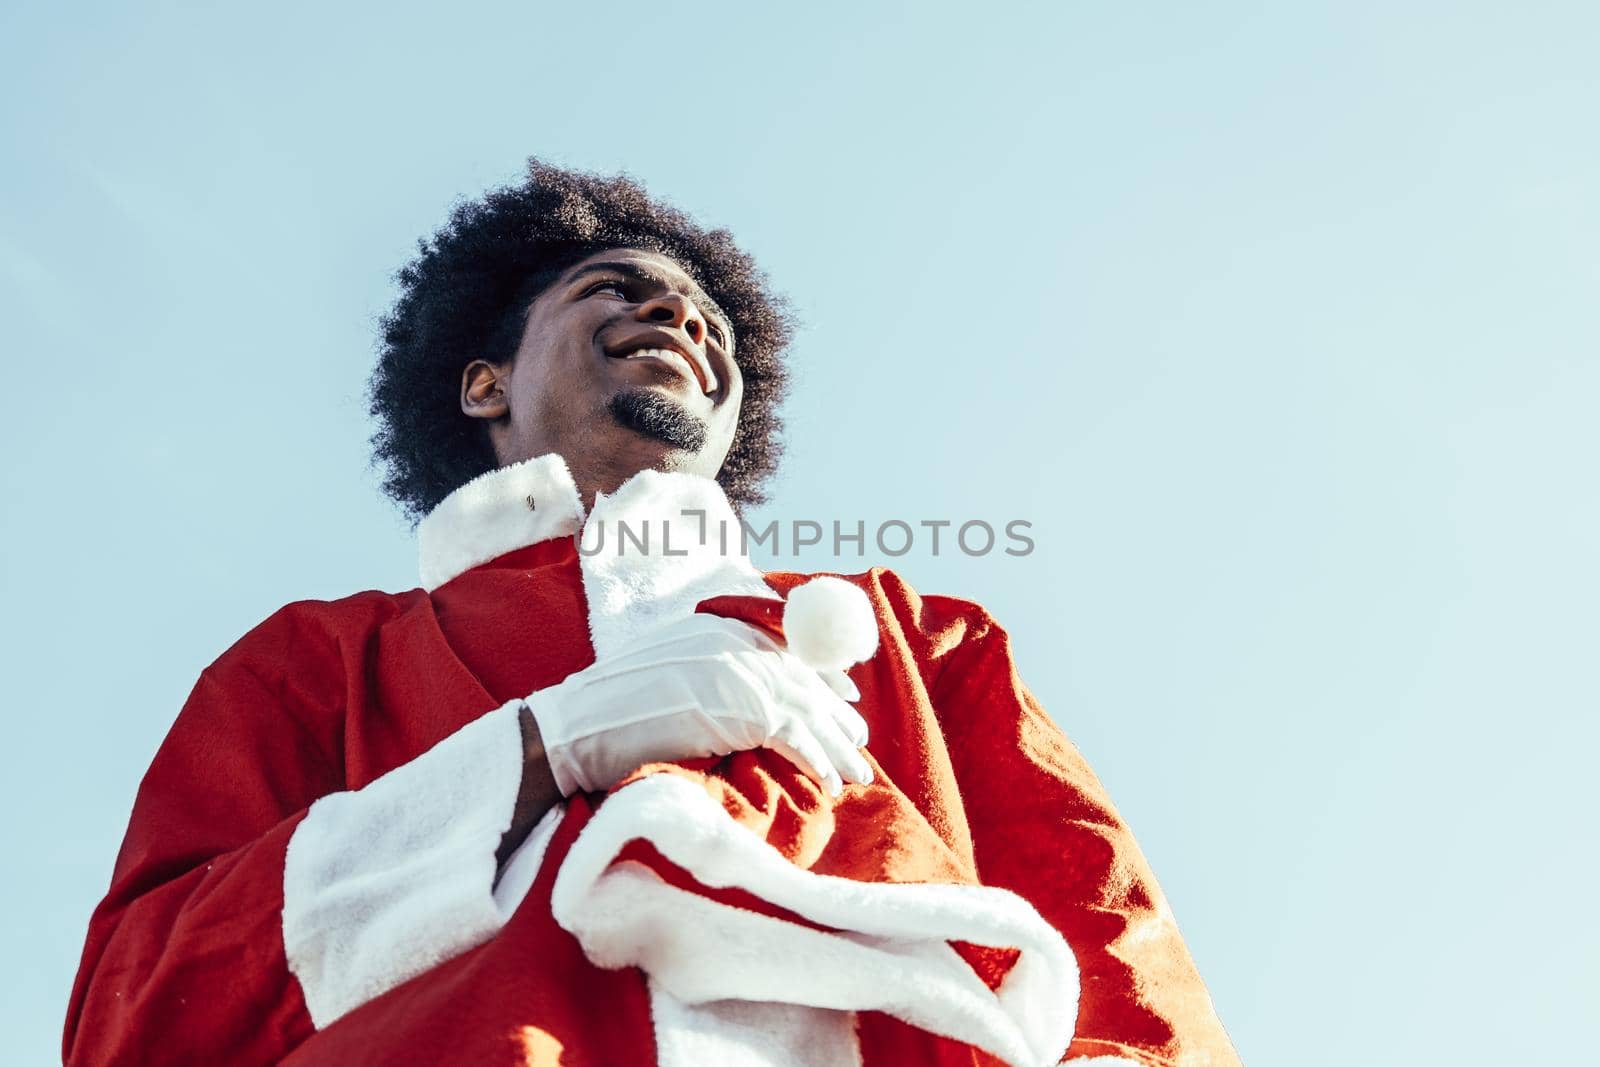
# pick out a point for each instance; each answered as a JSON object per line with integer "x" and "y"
{"x": 584, "y": 805}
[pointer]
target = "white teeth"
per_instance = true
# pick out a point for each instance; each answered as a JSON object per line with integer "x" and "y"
{"x": 667, "y": 354}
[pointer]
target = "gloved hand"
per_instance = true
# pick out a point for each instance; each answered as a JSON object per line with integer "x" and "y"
{"x": 699, "y": 686}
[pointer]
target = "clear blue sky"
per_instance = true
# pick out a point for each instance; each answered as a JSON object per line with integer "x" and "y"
{"x": 1278, "y": 322}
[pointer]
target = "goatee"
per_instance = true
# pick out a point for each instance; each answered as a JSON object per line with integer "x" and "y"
{"x": 648, "y": 412}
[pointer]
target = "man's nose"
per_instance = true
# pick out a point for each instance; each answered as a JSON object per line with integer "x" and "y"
{"x": 675, "y": 309}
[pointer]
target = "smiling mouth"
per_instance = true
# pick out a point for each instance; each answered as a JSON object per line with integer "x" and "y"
{"x": 688, "y": 368}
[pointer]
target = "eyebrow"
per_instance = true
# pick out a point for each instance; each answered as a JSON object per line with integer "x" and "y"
{"x": 642, "y": 273}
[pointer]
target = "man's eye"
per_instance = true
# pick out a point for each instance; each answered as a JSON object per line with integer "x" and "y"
{"x": 614, "y": 286}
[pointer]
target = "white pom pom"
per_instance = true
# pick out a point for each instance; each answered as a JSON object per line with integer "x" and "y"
{"x": 829, "y": 624}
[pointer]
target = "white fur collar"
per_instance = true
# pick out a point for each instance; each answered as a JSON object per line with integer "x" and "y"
{"x": 496, "y": 512}
{"x": 654, "y": 549}
{"x": 649, "y": 552}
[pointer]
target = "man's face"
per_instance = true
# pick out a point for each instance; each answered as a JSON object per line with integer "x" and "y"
{"x": 624, "y": 365}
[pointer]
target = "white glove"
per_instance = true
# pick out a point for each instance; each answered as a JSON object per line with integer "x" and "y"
{"x": 700, "y": 686}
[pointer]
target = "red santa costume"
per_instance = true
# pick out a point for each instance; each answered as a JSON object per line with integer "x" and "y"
{"x": 309, "y": 875}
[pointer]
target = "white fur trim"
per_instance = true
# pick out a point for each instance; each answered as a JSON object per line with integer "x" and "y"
{"x": 748, "y": 1033}
{"x": 890, "y": 955}
{"x": 384, "y": 882}
{"x": 630, "y": 590}
{"x": 490, "y": 515}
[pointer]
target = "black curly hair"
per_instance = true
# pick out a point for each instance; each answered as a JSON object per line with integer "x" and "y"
{"x": 467, "y": 292}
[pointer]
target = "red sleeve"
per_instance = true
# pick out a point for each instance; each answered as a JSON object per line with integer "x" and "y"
{"x": 185, "y": 953}
{"x": 1043, "y": 827}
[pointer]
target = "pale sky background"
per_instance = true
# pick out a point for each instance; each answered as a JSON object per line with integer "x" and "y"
{"x": 1277, "y": 321}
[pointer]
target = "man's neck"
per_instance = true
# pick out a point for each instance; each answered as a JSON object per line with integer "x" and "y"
{"x": 594, "y": 475}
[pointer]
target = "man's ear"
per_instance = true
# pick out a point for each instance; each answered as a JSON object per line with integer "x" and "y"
{"x": 483, "y": 390}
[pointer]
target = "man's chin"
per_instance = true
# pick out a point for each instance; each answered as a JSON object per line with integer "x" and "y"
{"x": 656, "y": 415}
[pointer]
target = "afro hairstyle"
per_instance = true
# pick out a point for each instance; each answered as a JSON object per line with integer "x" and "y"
{"x": 466, "y": 294}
